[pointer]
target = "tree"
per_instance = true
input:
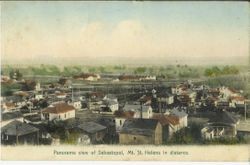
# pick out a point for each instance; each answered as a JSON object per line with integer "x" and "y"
{"x": 140, "y": 70}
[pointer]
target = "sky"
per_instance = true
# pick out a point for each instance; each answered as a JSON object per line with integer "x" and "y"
{"x": 156, "y": 33}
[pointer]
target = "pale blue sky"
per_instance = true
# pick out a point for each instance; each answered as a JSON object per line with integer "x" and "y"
{"x": 61, "y": 29}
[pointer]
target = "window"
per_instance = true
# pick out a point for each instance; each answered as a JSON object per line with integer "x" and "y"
{"x": 120, "y": 122}
{"x": 134, "y": 138}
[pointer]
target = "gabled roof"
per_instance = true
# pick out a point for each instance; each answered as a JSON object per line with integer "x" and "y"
{"x": 228, "y": 117}
{"x": 161, "y": 118}
{"x": 58, "y": 108}
{"x": 18, "y": 128}
{"x": 91, "y": 127}
{"x": 11, "y": 115}
{"x": 166, "y": 119}
{"x": 225, "y": 117}
{"x": 107, "y": 122}
{"x": 145, "y": 127}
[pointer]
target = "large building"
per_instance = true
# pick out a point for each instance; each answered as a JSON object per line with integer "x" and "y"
{"x": 59, "y": 111}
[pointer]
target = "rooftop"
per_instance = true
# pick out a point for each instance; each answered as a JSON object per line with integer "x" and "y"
{"x": 11, "y": 115}
{"x": 18, "y": 128}
{"x": 91, "y": 127}
{"x": 58, "y": 108}
{"x": 145, "y": 127}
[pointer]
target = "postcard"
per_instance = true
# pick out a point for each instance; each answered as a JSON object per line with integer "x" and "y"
{"x": 109, "y": 80}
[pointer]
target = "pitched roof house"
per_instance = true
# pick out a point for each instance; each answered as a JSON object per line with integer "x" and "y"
{"x": 95, "y": 131}
{"x": 141, "y": 131}
{"x": 17, "y": 132}
{"x": 59, "y": 111}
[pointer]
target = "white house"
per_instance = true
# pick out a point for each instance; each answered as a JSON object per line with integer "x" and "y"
{"x": 59, "y": 111}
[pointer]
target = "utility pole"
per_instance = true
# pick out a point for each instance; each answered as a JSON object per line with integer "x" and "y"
{"x": 141, "y": 110}
{"x": 245, "y": 110}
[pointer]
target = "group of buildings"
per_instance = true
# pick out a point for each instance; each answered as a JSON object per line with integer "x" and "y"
{"x": 96, "y": 117}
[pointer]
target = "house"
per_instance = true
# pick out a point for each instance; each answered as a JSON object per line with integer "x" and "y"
{"x": 141, "y": 111}
{"x": 141, "y": 131}
{"x": 109, "y": 106}
{"x": 87, "y": 77}
{"x": 165, "y": 97}
{"x": 121, "y": 117}
{"x": 59, "y": 111}
{"x": 19, "y": 101}
{"x": 8, "y": 107}
{"x": 145, "y": 100}
{"x": 170, "y": 124}
{"x": 226, "y": 120}
{"x": 94, "y": 104}
{"x": 95, "y": 131}
{"x": 181, "y": 115}
{"x": 17, "y": 132}
{"x": 236, "y": 101}
{"x": 187, "y": 97}
{"x": 11, "y": 116}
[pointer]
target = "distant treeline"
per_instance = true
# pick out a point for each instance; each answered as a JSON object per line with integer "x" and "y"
{"x": 216, "y": 71}
{"x": 170, "y": 71}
